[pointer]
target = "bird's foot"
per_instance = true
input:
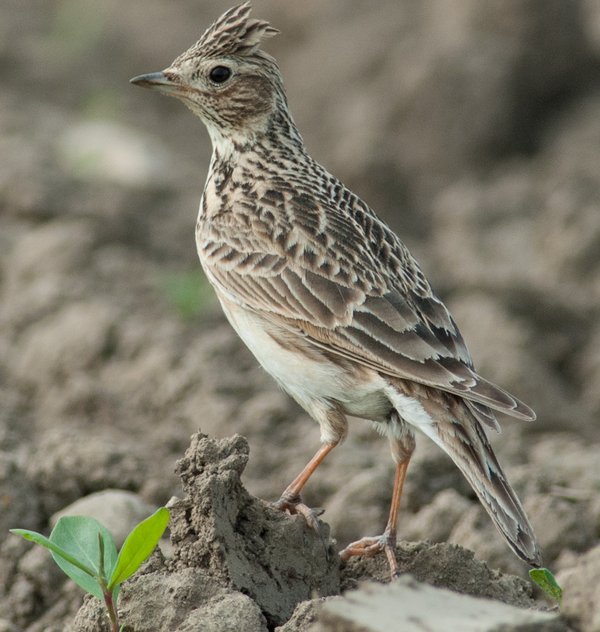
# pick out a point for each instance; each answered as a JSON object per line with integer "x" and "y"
{"x": 295, "y": 506}
{"x": 371, "y": 546}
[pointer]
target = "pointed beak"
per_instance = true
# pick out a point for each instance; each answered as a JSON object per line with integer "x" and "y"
{"x": 159, "y": 81}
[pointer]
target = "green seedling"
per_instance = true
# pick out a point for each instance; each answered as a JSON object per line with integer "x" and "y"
{"x": 188, "y": 292}
{"x": 547, "y": 582}
{"x": 84, "y": 549}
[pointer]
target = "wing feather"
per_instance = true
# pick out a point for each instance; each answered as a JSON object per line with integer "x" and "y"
{"x": 356, "y": 292}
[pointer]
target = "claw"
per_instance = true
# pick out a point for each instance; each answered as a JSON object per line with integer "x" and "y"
{"x": 295, "y": 506}
{"x": 365, "y": 547}
{"x": 371, "y": 546}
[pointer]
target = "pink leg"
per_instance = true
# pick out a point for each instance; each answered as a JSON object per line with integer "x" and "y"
{"x": 291, "y": 500}
{"x": 370, "y": 546}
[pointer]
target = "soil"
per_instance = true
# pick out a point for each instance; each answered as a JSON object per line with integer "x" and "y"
{"x": 237, "y": 563}
{"x": 473, "y": 130}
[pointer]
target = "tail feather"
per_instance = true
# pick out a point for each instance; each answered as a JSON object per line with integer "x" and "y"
{"x": 483, "y": 414}
{"x": 467, "y": 445}
{"x": 455, "y": 424}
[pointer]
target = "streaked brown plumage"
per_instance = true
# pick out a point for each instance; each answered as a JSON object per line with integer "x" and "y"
{"x": 324, "y": 294}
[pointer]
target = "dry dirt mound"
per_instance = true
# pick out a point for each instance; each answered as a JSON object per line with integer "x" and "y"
{"x": 238, "y": 564}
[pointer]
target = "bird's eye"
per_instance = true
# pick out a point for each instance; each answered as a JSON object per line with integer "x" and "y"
{"x": 219, "y": 74}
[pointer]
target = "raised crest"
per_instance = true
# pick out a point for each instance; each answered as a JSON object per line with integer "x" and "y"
{"x": 234, "y": 33}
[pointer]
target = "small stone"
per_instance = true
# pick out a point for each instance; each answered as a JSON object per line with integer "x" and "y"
{"x": 407, "y": 604}
{"x": 581, "y": 590}
{"x": 73, "y": 339}
{"x": 305, "y": 614}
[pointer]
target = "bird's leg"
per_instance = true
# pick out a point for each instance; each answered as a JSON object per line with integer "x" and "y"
{"x": 291, "y": 500}
{"x": 386, "y": 542}
{"x": 369, "y": 546}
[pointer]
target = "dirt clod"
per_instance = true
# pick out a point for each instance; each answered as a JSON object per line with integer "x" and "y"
{"x": 242, "y": 543}
{"x": 237, "y": 559}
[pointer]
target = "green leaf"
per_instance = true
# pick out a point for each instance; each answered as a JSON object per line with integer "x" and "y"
{"x": 38, "y": 538}
{"x": 138, "y": 546}
{"x": 78, "y": 536}
{"x": 188, "y": 291}
{"x": 547, "y": 582}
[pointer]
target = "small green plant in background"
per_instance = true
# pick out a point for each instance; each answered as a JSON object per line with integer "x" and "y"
{"x": 547, "y": 582}
{"x": 86, "y": 552}
{"x": 189, "y": 292}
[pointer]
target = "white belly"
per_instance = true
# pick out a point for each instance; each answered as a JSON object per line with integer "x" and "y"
{"x": 316, "y": 384}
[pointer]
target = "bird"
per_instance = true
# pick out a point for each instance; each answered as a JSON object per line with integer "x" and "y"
{"x": 324, "y": 294}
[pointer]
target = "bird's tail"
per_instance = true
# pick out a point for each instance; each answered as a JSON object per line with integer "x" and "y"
{"x": 464, "y": 440}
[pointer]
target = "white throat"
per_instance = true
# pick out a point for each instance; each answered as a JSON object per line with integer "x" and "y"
{"x": 222, "y": 145}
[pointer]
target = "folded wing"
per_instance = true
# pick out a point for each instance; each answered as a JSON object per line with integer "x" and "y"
{"x": 362, "y": 297}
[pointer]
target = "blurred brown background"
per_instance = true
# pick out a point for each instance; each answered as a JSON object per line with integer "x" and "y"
{"x": 471, "y": 126}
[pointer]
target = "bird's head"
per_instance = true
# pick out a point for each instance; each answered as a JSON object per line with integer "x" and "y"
{"x": 232, "y": 85}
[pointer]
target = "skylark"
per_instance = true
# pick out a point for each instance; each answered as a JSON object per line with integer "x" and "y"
{"x": 323, "y": 293}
